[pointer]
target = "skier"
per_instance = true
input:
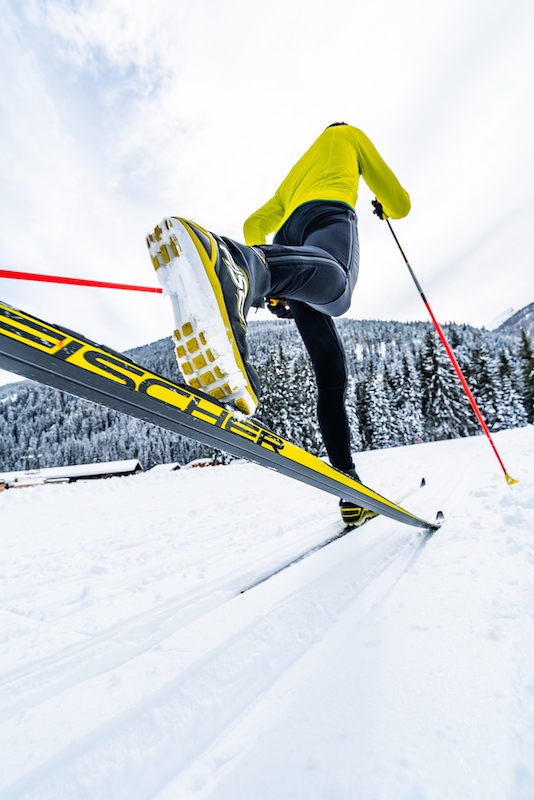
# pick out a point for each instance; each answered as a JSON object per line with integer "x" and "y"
{"x": 308, "y": 273}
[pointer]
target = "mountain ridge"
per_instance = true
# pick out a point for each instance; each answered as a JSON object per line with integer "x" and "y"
{"x": 518, "y": 321}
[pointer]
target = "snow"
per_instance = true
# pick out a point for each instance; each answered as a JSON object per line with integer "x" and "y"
{"x": 74, "y": 471}
{"x": 135, "y": 663}
{"x": 500, "y": 319}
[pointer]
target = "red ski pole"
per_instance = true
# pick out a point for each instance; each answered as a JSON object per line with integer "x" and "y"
{"x": 32, "y": 276}
{"x": 509, "y": 480}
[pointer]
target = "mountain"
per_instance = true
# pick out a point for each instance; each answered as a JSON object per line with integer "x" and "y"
{"x": 500, "y": 319}
{"x": 520, "y": 320}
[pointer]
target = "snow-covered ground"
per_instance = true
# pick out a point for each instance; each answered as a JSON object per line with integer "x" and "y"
{"x": 386, "y": 665}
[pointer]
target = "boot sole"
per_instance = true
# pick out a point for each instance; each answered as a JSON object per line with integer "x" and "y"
{"x": 206, "y": 350}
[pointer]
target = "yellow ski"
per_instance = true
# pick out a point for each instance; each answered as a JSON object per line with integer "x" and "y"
{"x": 68, "y": 361}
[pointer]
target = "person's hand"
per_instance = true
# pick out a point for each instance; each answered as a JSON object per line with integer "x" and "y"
{"x": 279, "y": 307}
{"x": 379, "y": 211}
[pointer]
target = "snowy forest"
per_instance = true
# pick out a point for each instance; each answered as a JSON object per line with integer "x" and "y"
{"x": 402, "y": 390}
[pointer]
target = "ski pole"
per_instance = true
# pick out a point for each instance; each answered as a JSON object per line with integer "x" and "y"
{"x": 509, "y": 480}
{"x": 32, "y": 276}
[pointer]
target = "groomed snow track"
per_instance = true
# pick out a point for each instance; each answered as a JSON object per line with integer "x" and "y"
{"x": 203, "y": 659}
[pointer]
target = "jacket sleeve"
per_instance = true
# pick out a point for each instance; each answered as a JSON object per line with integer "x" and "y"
{"x": 263, "y": 221}
{"x": 380, "y": 179}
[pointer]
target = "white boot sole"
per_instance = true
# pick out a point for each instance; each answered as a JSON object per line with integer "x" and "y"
{"x": 206, "y": 350}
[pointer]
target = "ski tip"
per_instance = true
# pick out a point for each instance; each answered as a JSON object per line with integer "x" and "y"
{"x": 423, "y": 483}
{"x": 509, "y": 480}
{"x": 440, "y": 519}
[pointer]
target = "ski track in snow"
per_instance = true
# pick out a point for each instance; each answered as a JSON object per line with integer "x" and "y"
{"x": 388, "y": 664}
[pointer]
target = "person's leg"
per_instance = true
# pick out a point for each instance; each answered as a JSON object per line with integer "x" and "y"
{"x": 326, "y": 351}
{"x": 212, "y": 282}
{"x": 328, "y": 357}
{"x": 329, "y": 226}
{"x": 314, "y": 257}
{"x": 335, "y": 231}
{"x": 308, "y": 274}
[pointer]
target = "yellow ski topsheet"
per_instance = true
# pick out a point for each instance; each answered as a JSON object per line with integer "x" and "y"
{"x": 95, "y": 359}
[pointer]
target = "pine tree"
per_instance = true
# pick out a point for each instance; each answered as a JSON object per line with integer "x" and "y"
{"x": 289, "y": 400}
{"x": 526, "y": 353}
{"x": 362, "y": 405}
{"x": 445, "y": 408}
{"x": 485, "y": 386}
{"x": 351, "y": 404}
{"x": 274, "y": 377}
{"x": 308, "y": 435}
{"x": 512, "y": 412}
{"x": 390, "y": 373}
{"x": 379, "y": 414}
{"x": 408, "y": 401}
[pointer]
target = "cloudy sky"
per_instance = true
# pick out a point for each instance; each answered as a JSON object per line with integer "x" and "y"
{"x": 115, "y": 113}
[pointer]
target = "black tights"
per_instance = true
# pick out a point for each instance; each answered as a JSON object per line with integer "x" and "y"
{"x": 329, "y": 229}
{"x": 328, "y": 358}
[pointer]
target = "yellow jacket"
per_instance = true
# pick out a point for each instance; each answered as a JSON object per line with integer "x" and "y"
{"x": 330, "y": 170}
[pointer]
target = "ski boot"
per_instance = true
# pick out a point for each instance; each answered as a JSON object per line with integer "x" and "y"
{"x": 354, "y": 516}
{"x": 211, "y": 281}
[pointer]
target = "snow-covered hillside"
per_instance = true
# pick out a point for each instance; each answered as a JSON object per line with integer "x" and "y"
{"x": 519, "y": 320}
{"x": 500, "y": 319}
{"x": 137, "y": 664}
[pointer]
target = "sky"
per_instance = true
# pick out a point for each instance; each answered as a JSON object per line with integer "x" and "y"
{"x": 116, "y": 113}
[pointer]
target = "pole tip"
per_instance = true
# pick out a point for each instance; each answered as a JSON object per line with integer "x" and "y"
{"x": 509, "y": 480}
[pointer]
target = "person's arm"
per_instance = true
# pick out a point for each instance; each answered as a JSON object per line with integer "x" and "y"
{"x": 380, "y": 179}
{"x": 264, "y": 221}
